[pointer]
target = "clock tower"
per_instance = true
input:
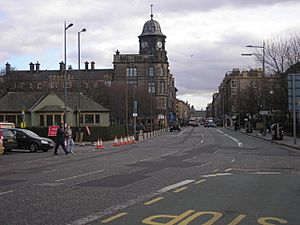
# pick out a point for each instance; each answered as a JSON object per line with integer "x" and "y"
{"x": 152, "y": 40}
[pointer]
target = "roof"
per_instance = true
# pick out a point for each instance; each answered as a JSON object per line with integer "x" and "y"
{"x": 86, "y": 104}
{"x": 17, "y": 101}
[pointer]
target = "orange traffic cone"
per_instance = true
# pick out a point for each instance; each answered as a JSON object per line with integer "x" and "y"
{"x": 129, "y": 140}
{"x": 116, "y": 143}
{"x": 99, "y": 144}
{"x": 133, "y": 140}
{"x": 121, "y": 141}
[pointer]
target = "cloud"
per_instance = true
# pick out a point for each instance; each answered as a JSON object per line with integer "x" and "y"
{"x": 205, "y": 38}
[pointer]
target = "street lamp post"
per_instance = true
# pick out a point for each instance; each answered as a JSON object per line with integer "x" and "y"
{"x": 66, "y": 70}
{"x": 78, "y": 80}
{"x": 263, "y": 75}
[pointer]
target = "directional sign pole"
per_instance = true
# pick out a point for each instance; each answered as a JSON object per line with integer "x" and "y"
{"x": 294, "y": 107}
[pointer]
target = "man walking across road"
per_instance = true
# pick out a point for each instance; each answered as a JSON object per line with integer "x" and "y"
{"x": 60, "y": 140}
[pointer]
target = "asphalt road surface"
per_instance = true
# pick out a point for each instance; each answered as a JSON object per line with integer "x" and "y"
{"x": 198, "y": 176}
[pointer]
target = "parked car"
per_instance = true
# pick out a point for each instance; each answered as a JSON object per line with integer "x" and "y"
{"x": 175, "y": 126}
{"x": 210, "y": 124}
{"x": 27, "y": 139}
{"x": 9, "y": 139}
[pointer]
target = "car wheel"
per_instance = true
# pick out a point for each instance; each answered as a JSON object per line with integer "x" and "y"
{"x": 33, "y": 147}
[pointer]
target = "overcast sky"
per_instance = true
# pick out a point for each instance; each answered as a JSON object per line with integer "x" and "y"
{"x": 205, "y": 38}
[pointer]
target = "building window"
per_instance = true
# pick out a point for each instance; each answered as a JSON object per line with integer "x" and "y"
{"x": 49, "y": 120}
{"x": 131, "y": 72}
{"x": 233, "y": 84}
{"x": 42, "y": 120}
{"x": 161, "y": 71}
{"x": 97, "y": 118}
{"x": 11, "y": 118}
{"x": 151, "y": 87}
{"x": 57, "y": 119}
{"x": 151, "y": 71}
{"x": 89, "y": 119}
{"x": 162, "y": 87}
{"x": 1, "y": 118}
{"x": 31, "y": 86}
{"x": 161, "y": 103}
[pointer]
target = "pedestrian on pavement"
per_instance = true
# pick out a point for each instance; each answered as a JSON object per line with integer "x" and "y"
{"x": 69, "y": 138}
{"x": 60, "y": 139}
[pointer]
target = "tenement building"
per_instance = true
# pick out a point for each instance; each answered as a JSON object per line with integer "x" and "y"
{"x": 139, "y": 86}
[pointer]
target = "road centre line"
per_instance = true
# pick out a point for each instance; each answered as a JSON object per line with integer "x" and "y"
{"x": 114, "y": 217}
{"x": 200, "y": 181}
{"x": 180, "y": 189}
{"x": 80, "y": 175}
{"x": 173, "y": 186}
{"x": 6, "y": 192}
{"x": 154, "y": 201}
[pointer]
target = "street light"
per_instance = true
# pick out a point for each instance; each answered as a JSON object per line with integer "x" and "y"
{"x": 66, "y": 69}
{"x": 263, "y": 75}
{"x": 79, "y": 83}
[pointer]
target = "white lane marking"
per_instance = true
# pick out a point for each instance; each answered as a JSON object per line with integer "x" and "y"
{"x": 232, "y": 161}
{"x": 266, "y": 173}
{"x": 216, "y": 175}
{"x": 173, "y": 186}
{"x": 80, "y": 175}
{"x": 6, "y": 192}
{"x": 240, "y": 144}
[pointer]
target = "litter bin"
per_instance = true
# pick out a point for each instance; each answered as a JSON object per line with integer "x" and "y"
{"x": 276, "y": 131}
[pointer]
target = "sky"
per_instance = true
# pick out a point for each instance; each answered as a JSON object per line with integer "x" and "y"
{"x": 205, "y": 38}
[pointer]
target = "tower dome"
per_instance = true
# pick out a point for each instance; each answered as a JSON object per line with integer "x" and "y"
{"x": 152, "y": 27}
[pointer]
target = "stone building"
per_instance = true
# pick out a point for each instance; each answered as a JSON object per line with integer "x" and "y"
{"x": 137, "y": 83}
{"x": 148, "y": 71}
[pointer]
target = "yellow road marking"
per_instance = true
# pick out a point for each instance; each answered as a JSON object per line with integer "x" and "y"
{"x": 228, "y": 170}
{"x": 237, "y": 220}
{"x": 154, "y": 201}
{"x": 200, "y": 181}
{"x": 113, "y": 217}
{"x": 180, "y": 189}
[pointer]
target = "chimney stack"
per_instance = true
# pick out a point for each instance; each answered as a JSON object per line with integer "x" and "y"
{"x": 92, "y": 65}
{"x": 61, "y": 67}
{"x": 37, "y": 66}
{"x": 86, "y": 66}
{"x": 7, "y": 68}
{"x": 31, "y": 67}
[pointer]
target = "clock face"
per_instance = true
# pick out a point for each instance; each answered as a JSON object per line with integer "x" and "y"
{"x": 159, "y": 44}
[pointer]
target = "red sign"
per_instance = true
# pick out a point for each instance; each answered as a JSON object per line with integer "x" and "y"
{"x": 52, "y": 130}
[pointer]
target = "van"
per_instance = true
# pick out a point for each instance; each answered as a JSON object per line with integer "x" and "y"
{"x": 7, "y": 125}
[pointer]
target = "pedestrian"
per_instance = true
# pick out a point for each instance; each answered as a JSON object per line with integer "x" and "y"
{"x": 60, "y": 139}
{"x": 69, "y": 139}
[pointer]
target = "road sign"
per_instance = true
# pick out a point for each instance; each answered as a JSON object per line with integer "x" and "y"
{"x": 296, "y": 91}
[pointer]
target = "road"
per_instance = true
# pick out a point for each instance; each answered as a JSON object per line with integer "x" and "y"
{"x": 208, "y": 176}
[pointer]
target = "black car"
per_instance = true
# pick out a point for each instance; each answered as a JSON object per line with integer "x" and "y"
{"x": 175, "y": 126}
{"x": 33, "y": 142}
{"x": 9, "y": 139}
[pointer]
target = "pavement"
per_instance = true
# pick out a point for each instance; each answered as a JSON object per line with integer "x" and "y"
{"x": 286, "y": 141}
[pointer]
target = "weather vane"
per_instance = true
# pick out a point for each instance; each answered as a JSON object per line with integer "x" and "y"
{"x": 151, "y": 11}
